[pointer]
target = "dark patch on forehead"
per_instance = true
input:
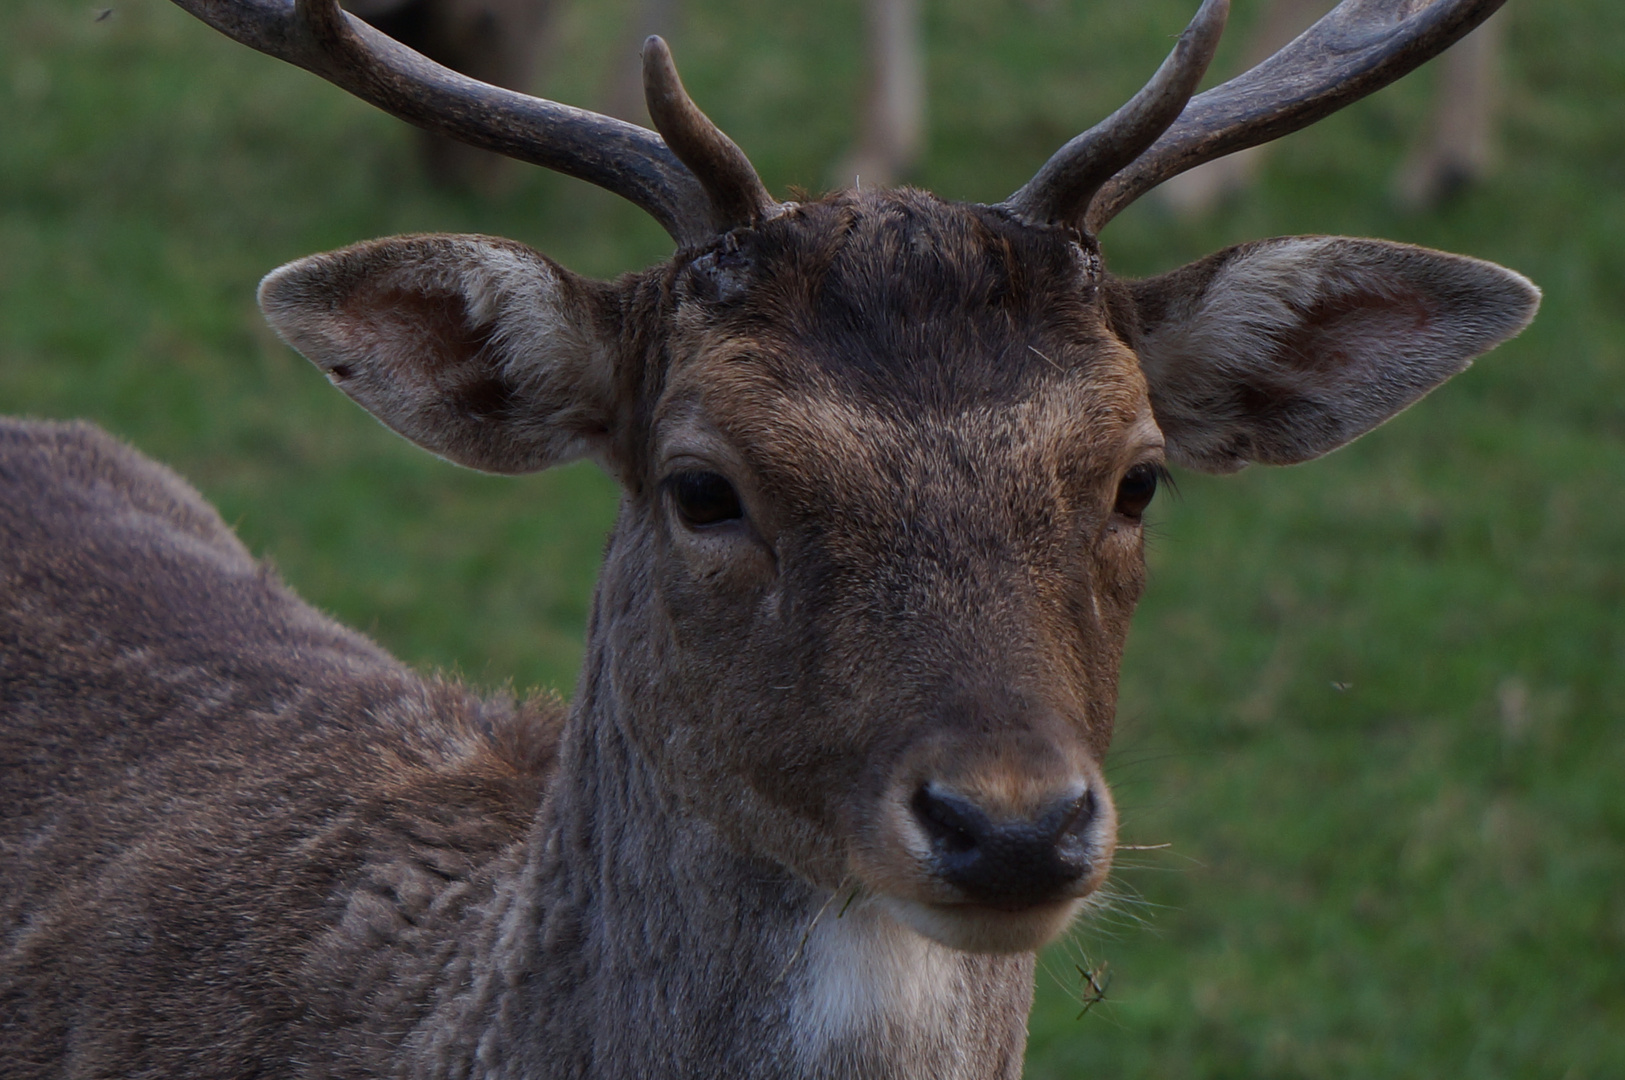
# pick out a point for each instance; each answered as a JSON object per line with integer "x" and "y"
{"x": 911, "y": 302}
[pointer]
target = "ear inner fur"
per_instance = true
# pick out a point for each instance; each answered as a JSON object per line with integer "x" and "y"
{"x": 1282, "y": 350}
{"x": 479, "y": 350}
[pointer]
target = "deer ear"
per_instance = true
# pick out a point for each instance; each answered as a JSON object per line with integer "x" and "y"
{"x": 477, "y": 349}
{"x": 1282, "y": 350}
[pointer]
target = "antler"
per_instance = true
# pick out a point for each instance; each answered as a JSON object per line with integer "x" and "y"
{"x": 1063, "y": 189}
{"x": 723, "y": 169}
{"x": 691, "y": 203}
{"x": 1360, "y": 47}
{"x": 1357, "y": 49}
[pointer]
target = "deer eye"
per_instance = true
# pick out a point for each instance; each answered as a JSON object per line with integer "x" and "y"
{"x": 705, "y": 498}
{"x": 1135, "y": 490}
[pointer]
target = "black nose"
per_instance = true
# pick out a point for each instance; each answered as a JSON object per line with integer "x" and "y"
{"x": 1008, "y": 862}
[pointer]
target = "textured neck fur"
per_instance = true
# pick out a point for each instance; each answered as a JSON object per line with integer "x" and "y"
{"x": 669, "y": 953}
{"x": 629, "y": 937}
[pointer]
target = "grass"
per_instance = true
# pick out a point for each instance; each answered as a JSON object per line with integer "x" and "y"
{"x": 1372, "y": 704}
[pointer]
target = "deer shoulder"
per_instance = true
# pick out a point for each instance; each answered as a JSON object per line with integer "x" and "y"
{"x": 233, "y": 811}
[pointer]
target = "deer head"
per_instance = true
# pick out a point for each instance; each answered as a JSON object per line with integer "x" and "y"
{"x": 885, "y": 457}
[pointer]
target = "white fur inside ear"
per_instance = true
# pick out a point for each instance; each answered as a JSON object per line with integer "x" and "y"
{"x": 1239, "y": 315}
{"x": 1284, "y": 350}
{"x": 477, "y": 349}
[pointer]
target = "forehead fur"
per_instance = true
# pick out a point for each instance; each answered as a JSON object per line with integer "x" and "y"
{"x": 899, "y": 331}
{"x": 905, "y": 302}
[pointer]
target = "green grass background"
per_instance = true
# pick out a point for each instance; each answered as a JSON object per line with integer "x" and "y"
{"x": 1372, "y": 704}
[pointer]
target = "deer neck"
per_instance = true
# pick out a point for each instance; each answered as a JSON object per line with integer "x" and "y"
{"x": 661, "y": 949}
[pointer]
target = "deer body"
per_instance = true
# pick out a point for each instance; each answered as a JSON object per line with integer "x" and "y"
{"x": 197, "y": 765}
{"x": 832, "y": 772}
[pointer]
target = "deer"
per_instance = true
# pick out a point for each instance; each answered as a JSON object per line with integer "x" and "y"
{"x": 832, "y": 773}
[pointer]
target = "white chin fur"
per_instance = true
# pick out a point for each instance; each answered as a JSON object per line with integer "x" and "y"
{"x": 984, "y": 930}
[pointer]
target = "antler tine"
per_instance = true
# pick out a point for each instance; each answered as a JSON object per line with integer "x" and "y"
{"x": 1358, "y": 48}
{"x": 1062, "y": 190}
{"x": 623, "y": 158}
{"x": 736, "y": 192}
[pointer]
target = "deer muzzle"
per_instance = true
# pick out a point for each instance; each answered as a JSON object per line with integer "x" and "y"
{"x": 990, "y": 844}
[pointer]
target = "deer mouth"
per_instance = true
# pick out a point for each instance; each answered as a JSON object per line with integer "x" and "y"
{"x": 982, "y": 928}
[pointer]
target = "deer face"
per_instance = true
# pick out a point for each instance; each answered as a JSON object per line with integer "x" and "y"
{"x": 885, "y": 459}
{"x": 891, "y": 500}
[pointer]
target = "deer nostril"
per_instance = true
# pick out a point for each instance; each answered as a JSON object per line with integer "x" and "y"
{"x": 949, "y": 821}
{"x": 1077, "y": 814}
